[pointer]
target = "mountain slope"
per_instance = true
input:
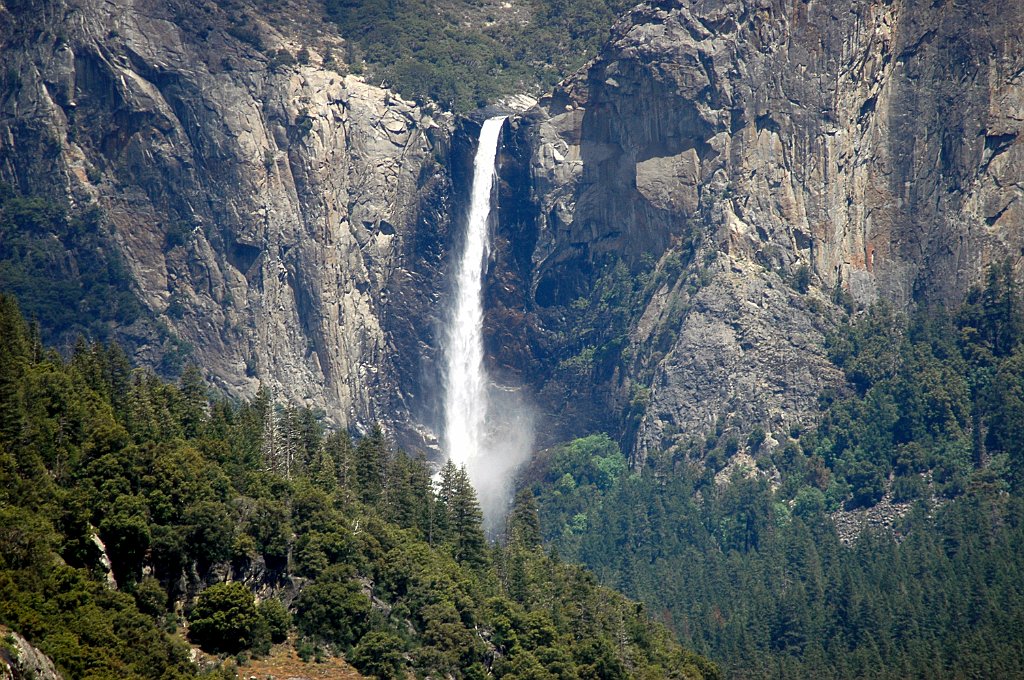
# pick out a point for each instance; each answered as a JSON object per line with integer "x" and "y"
{"x": 886, "y": 541}
{"x": 266, "y": 206}
{"x": 757, "y": 162}
{"x": 128, "y": 502}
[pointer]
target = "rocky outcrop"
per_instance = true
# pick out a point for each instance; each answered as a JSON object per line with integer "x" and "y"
{"x": 747, "y": 161}
{"x": 274, "y": 212}
{"x": 869, "y": 148}
{"x": 876, "y": 142}
{"x": 19, "y": 660}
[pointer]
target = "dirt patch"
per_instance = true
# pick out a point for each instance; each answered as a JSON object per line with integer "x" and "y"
{"x": 284, "y": 664}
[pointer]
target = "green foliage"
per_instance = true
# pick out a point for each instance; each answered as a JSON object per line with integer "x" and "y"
{"x": 276, "y": 618}
{"x": 766, "y": 590}
{"x": 394, "y": 575}
{"x": 757, "y": 575}
{"x": 801, "y": 280}
{"x": 523, "y": 524}
{"x": 917, "y": 400}
{"x": 333, "y": 609}
{"x": 210, "y": 531}
{"x": 150, "y": 597}
{"x": 62, "y": 270}
{"x": 224, "y": 618}
{"x": 379, "y": 655}
{"x": 601, "y": 318}
{"x": 463, "y": 57}
{"x": 568, "y": 482}
{"x": 461, "y": 517}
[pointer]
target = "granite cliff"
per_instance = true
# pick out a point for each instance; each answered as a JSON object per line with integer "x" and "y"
{"x": 681, "y": 222}
{"x": 276, "y": 215}
{"x": 764, "y": 161}
{"x": 19, "y": 660}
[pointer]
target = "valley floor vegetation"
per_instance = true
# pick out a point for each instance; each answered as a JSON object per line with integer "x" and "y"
{"x": 750, "y": 568}
{"x": 200, "y": 503}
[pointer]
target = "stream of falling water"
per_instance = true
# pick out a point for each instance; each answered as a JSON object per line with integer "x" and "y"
{"x": 466, "y": 378}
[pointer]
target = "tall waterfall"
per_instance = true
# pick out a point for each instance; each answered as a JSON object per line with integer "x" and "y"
{"x": 466, "y": 380}
{"x": 488, "y": 426}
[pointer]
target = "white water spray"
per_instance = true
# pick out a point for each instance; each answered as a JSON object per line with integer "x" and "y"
{"x": 466, "y": 398}
{"x": 488, "y": 431}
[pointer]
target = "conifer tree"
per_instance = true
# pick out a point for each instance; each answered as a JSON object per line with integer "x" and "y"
{"x": 323, "y": 471}
{"x": 523, "y": 525}
{"x": 465, "y": 519}
{"x": 141, "y": 413}
{"x": 117, "y": 372}
{"x": 421, "y": 495}
{"x": 338, "y": 447}
{"x": 86, "y": 360}
{"x": 442, "y": 523}
{"x": 369, "y": 466}
{"x": 13, "y": 358}
{"x": 408, "y": 492}
{"x": 194, "y": 402}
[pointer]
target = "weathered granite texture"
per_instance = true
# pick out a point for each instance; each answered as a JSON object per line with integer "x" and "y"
{"x": 876, "y": 144}
{"x": 293, "y": 224}
{"x": 19, "y": 660}
{"x": 278, "y": 216}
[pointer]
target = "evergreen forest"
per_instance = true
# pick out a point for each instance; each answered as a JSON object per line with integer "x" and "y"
{"x": 759, "y": 566}
{"x": 138, "y": 516}
{"x": 465, "y": 54}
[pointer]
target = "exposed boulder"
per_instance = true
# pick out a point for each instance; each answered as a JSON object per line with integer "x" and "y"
{"x": 19, "y": 660}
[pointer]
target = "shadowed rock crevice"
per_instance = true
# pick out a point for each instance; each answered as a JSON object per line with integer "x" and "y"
{"x": 675, "y": 220}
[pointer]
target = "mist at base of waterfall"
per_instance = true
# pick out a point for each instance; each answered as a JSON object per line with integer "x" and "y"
{"x": 507, "y": 445}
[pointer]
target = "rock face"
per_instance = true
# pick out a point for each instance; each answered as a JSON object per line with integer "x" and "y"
{"x": 19, "y": 660}
{"x": 871, "y": 148}
{"x": 276, "y": 215}
{"x": 744, "y": 162}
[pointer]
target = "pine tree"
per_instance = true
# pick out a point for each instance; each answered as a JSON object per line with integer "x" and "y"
{"x": 338, "y": 447}
{"x": 408, "y": 493}
{"x": 323, "y": 471}
{"x": 310, "y": 436}
{"x": 523, "y": 525}
{"x": 142, "y": 413}
{"x": 194, "y": 402}
{"x": 369, "y": 466}
{"x": 14, "y": 352}
{"x": 465, "y": 519}
{"x": 441, "y": 526}
{"x": 117, "y": 372}
{"x": 87, "y": 361}
{"x": 421, "y": 494}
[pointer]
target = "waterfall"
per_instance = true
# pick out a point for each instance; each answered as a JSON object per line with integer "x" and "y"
{"x": 466, "y": 381}
{"x": 488, "y": 426}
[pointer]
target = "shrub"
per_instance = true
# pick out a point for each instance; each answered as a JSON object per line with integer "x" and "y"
{"x": 276, "y": 617}
{"x": 378, "y": 654}
{"x": 333, "y": 609}
{"x": 755, "y": 439}
{"x": 150, "y": 597}
{"x": 224, "y": 618}
{"x": 802, "y": 279}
